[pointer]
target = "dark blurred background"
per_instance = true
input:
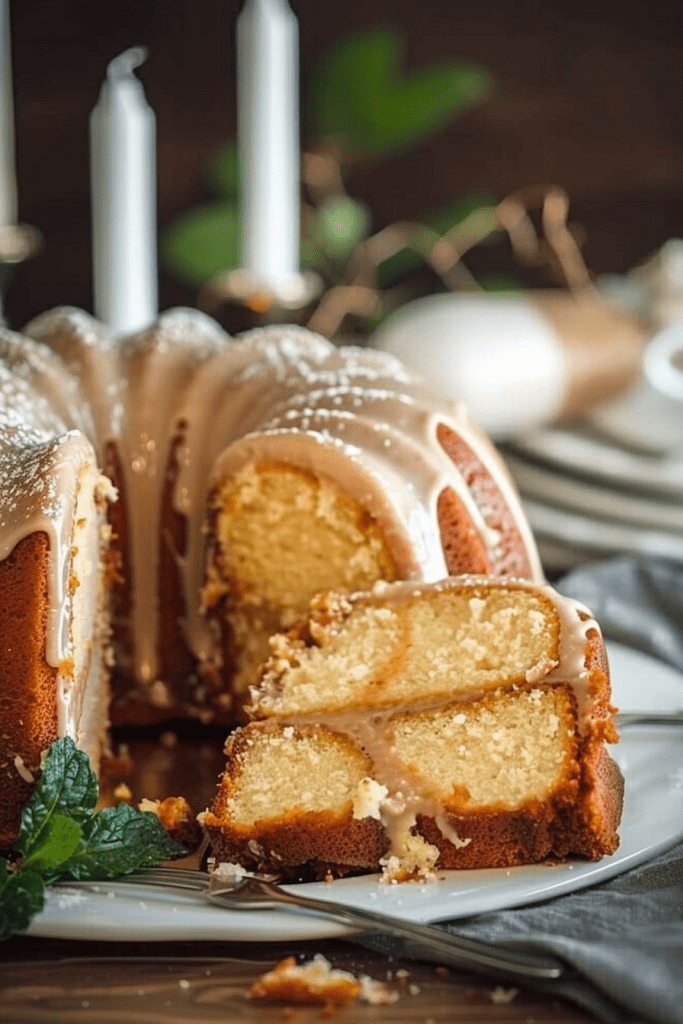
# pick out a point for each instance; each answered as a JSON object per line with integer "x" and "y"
{"x": 588, "y": 96}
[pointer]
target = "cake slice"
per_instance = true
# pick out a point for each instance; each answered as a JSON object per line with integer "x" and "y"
{"x": 418, "y": 727}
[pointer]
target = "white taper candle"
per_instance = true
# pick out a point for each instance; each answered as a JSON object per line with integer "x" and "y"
{"x": 8, "y": 178}
{"x": 123, "y": 190}
{"x": 268, "y": 133}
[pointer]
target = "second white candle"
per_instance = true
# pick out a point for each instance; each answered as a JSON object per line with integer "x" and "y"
{"x": 268, "y": 131}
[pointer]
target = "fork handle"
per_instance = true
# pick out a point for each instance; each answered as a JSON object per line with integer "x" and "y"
{"x": 649, "y": 718}
{"x": 435, "y": 942}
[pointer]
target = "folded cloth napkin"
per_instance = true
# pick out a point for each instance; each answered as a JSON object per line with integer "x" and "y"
{"x": 636, "y": 601}
{"x": 625, "y": 935}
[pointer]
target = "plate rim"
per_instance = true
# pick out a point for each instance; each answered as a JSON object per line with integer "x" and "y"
{"x": 207, "y": 922}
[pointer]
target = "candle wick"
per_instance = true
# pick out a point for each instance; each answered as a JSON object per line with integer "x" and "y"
{"x": 126, "y": 62}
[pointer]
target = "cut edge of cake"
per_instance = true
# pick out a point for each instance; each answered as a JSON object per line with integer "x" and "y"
{"x": 499, "y": 762}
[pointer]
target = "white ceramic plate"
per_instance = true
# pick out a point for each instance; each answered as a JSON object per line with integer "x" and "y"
{"x": 547, "y": 484}
{"x": 592, "y": 538}
{"x": 598, "y": 459}
{"x": 644, "y": 417}
{"x": 651, "y": 759}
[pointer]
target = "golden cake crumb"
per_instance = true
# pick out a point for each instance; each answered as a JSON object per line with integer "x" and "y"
{"x": 317, "y": 982}
{"x": 178, "y": 818}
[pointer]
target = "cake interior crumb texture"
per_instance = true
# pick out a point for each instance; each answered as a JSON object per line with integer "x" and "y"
{"x": 445, "y": 644}
{"x": 283, "y": 536}
{"x": 461, "y": 724}
{"x": 312, "y": 769}
{"x": 508, "y": 751}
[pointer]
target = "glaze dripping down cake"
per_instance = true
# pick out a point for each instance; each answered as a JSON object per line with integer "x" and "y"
{"x": 249, "y": 475}
{"x": 454, "y": 725}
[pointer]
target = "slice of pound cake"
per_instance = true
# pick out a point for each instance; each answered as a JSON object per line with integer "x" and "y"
{"x": 418, "y": 727}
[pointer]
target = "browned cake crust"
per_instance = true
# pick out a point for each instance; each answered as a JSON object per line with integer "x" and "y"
{"x": 176, "y": 693}
{"x": 580, "y": 818}
{"x": 302, "y": 842}
{"x": 464, "y": 550}
{"x": 28, "y": 685}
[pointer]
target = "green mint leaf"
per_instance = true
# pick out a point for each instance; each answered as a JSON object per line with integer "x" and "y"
{"x": 20, "y": 898}
{"x": 60, "y": 838}
{"x": 68, "y": 785}
{"x": 119, "y": 840}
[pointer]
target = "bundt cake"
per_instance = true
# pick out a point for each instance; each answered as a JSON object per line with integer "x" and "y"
{"x": 250, "y": 474}
{"x": 450, "y": 725}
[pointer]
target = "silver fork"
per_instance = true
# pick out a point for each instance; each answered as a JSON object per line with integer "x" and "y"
{"x": 259, "y": 893}
{"x": 625, "y": 718}
{"x": 386, "y": 934}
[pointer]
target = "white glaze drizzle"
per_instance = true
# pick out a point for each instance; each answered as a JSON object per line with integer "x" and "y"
{"x": 40, "y": 462}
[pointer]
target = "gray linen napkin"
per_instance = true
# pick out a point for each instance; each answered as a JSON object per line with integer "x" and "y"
{"x": 626, "y": 934}
{"x": 636, "y": 601}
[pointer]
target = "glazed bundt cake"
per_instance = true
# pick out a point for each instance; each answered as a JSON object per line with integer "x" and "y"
{"x": 453, "y": 725}
{"x": 250, "y": 474}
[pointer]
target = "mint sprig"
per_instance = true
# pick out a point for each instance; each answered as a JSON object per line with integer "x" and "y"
{"x": 62, "y": 837}
{"x": 21, "y": 896}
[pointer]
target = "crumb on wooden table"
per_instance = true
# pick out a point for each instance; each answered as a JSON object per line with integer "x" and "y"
{"x": 319, "y": 983}
{"x": 503, "y": 995}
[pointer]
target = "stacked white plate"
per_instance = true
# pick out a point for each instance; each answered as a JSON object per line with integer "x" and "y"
{"x": 610, "y": 485}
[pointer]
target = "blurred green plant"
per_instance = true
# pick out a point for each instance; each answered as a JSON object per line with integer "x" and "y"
{"x": 202, "y": 242}
{"x": 361, "y": 100}
{"x": 360, "y": 107}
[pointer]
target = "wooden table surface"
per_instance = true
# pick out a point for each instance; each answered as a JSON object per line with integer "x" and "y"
{"x": 183, "y": 982}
